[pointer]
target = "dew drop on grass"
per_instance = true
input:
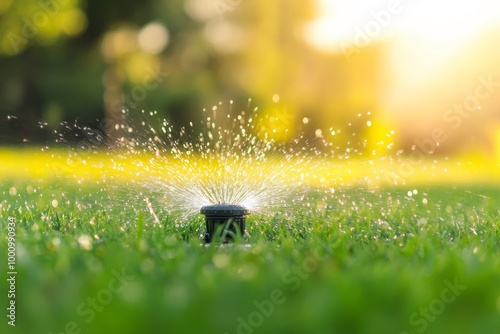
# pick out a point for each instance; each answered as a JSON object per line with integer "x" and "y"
{"x": 421, "y": 222}
{"x": 247, "y": 271}
{"x": 55, "y": 242}
{"x": 220, "y": 260}
{"x": 85, "y": 241}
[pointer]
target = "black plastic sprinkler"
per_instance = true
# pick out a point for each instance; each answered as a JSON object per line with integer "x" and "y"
{"x": 229, "y": 219}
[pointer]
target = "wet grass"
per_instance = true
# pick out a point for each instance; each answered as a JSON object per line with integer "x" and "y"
{"x": 362, "y": 262}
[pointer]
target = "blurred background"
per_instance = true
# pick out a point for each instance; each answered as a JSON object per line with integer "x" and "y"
{"x": 427, "y": 70}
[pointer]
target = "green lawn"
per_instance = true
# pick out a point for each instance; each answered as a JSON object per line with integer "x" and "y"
{"x": 360, "y": 262}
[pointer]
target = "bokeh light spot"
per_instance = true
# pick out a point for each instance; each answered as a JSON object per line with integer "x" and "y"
{"x": 74, "y": 22}
{"x": 153, "y": 38}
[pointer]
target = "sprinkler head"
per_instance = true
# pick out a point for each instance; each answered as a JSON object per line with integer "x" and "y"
{"x": 228, "y": 218}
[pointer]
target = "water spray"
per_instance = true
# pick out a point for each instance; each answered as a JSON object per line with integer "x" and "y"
{"x": 226, "y": 219}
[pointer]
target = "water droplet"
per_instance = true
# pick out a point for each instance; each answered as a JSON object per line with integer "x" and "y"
{"x": 220, "y": 260}
{"x": 85, "y": 242}
{"x": 421, "y": 221}
{"x": 55, "y": 242}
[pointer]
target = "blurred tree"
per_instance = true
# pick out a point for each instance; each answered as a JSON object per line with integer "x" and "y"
{"x": 298, "y": 87}
{"x": 55, "y": 66}
{"x": 31, "y": 33}
{"x": 67, "y": 60}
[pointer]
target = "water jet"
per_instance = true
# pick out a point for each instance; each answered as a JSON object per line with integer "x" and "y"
{"x": 226, "y": 219}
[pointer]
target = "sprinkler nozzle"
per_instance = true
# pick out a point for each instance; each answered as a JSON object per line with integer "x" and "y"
{"x": 228, "y": 218}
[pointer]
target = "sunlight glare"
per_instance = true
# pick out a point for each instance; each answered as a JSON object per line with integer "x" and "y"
{"x": 441, "y": 23}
